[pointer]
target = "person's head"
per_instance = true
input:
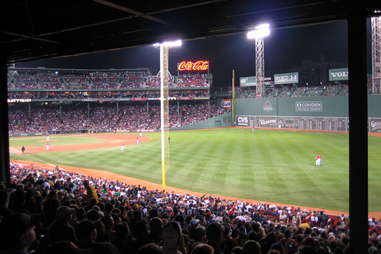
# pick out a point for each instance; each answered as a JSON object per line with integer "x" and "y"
{"x": 214, "y": 232}
{"x": 17, "y": 232}
{"x": 93, "y": 215}
{"x": 171, "y": 235}
{"x": 63, "y": 248}
{"x": 306, "y": 249}
{"x": 17, "y": 199}
{"x": 64, "y": 213}
{"x": 202, "y": 248}
{"x": 86, "y": 230}
{"x": 273, "y": 251}
{"x": 156, "y": 225}
{"x": 277, "y": 247}
{"x": 80, "y": 213}
{"x": 150, "y": 248}
{"x": 108, "y": 221}
{"x": 237, "y": 250}
{"x": 122, "y": 229}
{"x": 198, "y": 233}
{"x": 140, "y": 230}
{"x": 251, "y": 247}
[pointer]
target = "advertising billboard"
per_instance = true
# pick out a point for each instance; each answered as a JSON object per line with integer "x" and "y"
{"x": 338, "y": 74}
{"x": 286, "y": 78}
{"x": 200, "y": 65}
{"x": 309, "y": 106}
{"x": 252, "y": 81}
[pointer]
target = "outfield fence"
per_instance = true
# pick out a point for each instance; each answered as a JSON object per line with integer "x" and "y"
{"x": 322, "y": 113}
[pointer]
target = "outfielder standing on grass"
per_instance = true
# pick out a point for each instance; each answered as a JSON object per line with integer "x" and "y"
{"x": 317, "y": 160}
{"x": 23, "y": 149}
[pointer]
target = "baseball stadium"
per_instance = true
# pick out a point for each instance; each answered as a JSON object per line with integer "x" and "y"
{"x": 107, "y": 124}
{"x": 119, "y": 139}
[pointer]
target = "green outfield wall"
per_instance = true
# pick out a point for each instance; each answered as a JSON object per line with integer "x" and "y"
{"x": 223, "y": 120}
{"x": 319, "y": 106}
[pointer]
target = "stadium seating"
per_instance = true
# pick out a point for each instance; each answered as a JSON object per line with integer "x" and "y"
{"x": 135, "y": 116}
{"x": 66, "y": 216}
{"x": 97, "y": 79}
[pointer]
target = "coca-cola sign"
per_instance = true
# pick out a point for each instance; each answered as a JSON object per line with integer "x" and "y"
{"x": 200, "y": 65}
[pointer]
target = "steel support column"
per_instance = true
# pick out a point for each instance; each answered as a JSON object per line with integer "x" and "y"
{"x": 358, "y": 132}
{"x": 4, "y": 135}
{"x": 259, "y": 66}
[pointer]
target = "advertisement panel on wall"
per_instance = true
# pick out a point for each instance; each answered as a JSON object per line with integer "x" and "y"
{"x": 252, "y": 81}
{"x": 338, "y": 74}
{"x": 375, "y": 125}
{"x": 286, "y": 78}
{"x": 242, "y": 120}
{"x": 305, "y": 123}
{"x": 309, "y": 106}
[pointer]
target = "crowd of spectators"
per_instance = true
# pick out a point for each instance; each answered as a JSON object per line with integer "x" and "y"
{"x": 295, "y": 91}
{"x": 57, "y": 211}
{"x": 105, "y": 94}
{"x": 98, "y": 117}
{"x": 100, "y": 80}
{"x": 191, "y": 80}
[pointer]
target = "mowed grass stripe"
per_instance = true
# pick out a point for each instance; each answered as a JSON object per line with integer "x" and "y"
{"x": 273, "y": 172}
{"x": 374, "y": 172}
{"x": 192, "y": 163}
{"x": 266, "y": 165}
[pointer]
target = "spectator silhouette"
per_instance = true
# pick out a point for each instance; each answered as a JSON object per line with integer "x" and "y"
{"x": 17, "y": 234}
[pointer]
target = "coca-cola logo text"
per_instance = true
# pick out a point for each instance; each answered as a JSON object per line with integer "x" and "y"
{"x": 193, "y": 66}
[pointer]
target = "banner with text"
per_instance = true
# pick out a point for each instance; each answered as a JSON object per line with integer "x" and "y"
{"x": 338, "y": 74}
{"x": 242, "y": 120}
{"x": 286, "y": 78}
{"x": 309, "y": 106}
{"x": 252, "y": 81}
{"x": 200, "y": 65}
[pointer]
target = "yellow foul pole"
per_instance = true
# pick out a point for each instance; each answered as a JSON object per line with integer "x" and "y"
{"x": 164, "y": 113}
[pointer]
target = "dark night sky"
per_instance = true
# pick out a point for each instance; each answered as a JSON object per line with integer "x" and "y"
{"x": 284, "y": 50}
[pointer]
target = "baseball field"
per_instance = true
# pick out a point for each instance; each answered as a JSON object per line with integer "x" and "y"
{"x": 267, "y": 165}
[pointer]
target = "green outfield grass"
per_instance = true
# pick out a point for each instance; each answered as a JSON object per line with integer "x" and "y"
{"x": 266, "y": 165}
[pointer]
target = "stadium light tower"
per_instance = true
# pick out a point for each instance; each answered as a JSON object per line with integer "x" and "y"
{"x": 376, "y": 54}
{"x": 164, "y": 105}
{"x": 258, "y": 34}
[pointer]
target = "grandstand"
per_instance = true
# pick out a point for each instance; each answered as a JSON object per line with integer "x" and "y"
{"x": 46, "y": 100}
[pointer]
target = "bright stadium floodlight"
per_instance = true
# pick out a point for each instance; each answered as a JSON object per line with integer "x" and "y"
{"x": 169, "y": 44}
{"x": 259, "y": 32}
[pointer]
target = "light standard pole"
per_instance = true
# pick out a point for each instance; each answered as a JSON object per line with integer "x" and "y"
{"x": 258, "y": 34}
{"x": 164, "y": 105}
